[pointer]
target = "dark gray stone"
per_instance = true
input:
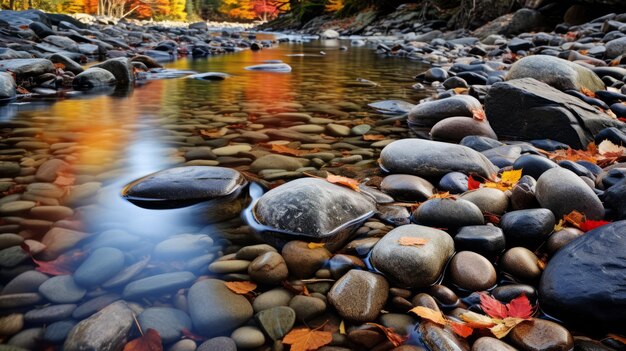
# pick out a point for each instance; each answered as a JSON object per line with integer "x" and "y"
{"x": 62, "y": 289}
{"x": 429, "y": 113}
{"x": 7, "y": 88}
{"x": 450, "y": 214}
{"x": 106, "y": 330}
{"x": 221, "y": 343}
{"x": 94, "y": 305}
{"x": 486, "y": 240}
{"x": 616, "y": 47}
{"x": 49, "y": 314}
{"x": 527, "y": 228}
{"x": 169, "y": 322}
{"x": 25, "y": 68}
{"x": 121, "y": 68}
{"x": 159, "y": 284}
{"x": 276, "y": 322}
{"x": 57, "y": 332}
{"x": 526, "y": 109}
{"x": 427, "y": 158}
{"x": 26, "y": 282}
{"x": 93, "y": 77}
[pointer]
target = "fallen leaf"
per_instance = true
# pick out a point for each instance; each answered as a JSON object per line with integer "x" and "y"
{"x": 373, "y": 137}
{"x": 65, "y": 264}
{"x": 286, "y": 150}
{"x": 65, "y": 179}
{"x": 472, "y": 184}
{"x": 429, "y": 314}
{"x": 59, "y": 65}
{"x": 390, "y": 334}
{"x": 410, "y": 241}
{"x": 22, "y": 90}
{"x": 574, "y": 218}
{"x": 345, "y": 181}
{"x": 478, "y": 114}
{"x": 187, "y": 334}
{"x": 476, "y": 320}
{"x": 461, "y": 329}
{"x": 503, "y": 328}
{"x": 460, "y": 90}
{"x": 305, "y": 339}
{"x": 342, "y": 327}
{"x": 608, "y": 149}
{"x": 444, "y": 195}
{"x": 150, "y": 341}
{"x": 507, "y": 181}
{"x": 587, "y": 92}
{"x": 214, "y": 133}
{"x": 313, "y": 246}
{"x": 520, "y": 307}
{"x": 240, "y": 288}
{"x": 493, "y": 307}
{"x": 591, "y": 225}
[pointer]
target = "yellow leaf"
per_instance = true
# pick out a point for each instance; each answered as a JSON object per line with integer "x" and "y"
{"x": 410, "y": 241}
{"x": 345, "y": 181}
{"x": 342, "y": 327}
{"x": 430, "y": 314}
{"x": 501, "y": 329}
{"x": 511, "y": 177}
{"x": 240, "y": 288}
{"x": 315, "y": 245}
{"x": 444, "y": 195}
{"x": 476, "y": 320}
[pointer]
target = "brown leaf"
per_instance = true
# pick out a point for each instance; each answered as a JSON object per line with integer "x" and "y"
{"x": 429, "y": 314}
{"x": 240, "y": 288}
{"x": 390, "y": 334}
{"x": 503, "y": 328}
{"x": 305, "y": 339}
{"x": 410, "y": 241}
{"x": 150, "y": 341}
{"x": 62, "y": 265}
{"x": 444, "y": 195}
{"x": 373, "y": 137}
{"x": 214, "y": 133}
{"x": 345, "y": 181}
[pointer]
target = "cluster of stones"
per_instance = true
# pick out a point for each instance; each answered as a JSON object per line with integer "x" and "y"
{"x": 174, "y": 282}
{"x": 43, "y": 53}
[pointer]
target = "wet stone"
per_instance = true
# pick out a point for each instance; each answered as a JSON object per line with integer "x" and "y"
{"x": 94, "y": 305}
{"x": 303, "y": 261}
{"x": 562, "y": 191}
{"x": 541, "y": 335}
{"x": 169, "y": 322}
{"x": 488, "y": 200}
{"x": 485, "y": 240}
{"x": 448, "y": 213}
{"x": 307, "y": 307}
{"x": 268, "y": 268}
{"x": 18, "y": 300}
{"x": 521, "y": 263}
{"x": 158, "y": 284}
{"x": 49, "y": 314}
{"x": 527, "y": 228}
{"x": 248, "y": 337}
{"x": 471, "y": 271}
{"x": 272, "y": 298}
{"x": 106, "y": 330}
{"x": 183, "y": 246}
{"x": 359, "y": 295}
{"x": 276, "y": 322}
{"x": 101, "y": 265}
{"x": 487, "y": 343}
{"x": 62, "y": 289}
{"x": 57, "y": 332}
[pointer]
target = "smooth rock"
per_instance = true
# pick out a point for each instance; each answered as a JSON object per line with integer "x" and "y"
{"x": 405, "y": 187}
{"x": 248, "y": 337}
{"x": 471, "y": 271}
{"x": 486, "y": 240}
{"x": 527, "y": 228}
{"x": 487, "y": 343}
{"x": 61, "y": 289}
{"x": 562, "y": 191}
{"x": 268, "y": 268}
{"x": 100, "y": 266}
{"x": 427, "y": 114}
{"x": 359, "y": 295}
{"x": 521, "y": 263}
{"x": 120, "y": 67}
{"x": 488, "y": 200}
{"x": 273, "y": 298}
{"x": 276, "y": 322}
{"x": 541, "y": 335}
{"x": 106, "y": 330}
{"x": 450, "y": 214}
{"x": 93, "y": 77}
{"x": 158, "y": 285}
{"x": 454, "y": 129}
{"x": 221, "y": 343}
{"x": 169, "y": 322}
{"x": 303, "y": 261}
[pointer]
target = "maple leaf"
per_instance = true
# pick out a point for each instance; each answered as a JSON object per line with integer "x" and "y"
{"x": 314, "y": 246}
{"x": 519, "y": 307}
{"x": 65, "y": 264}
{"x": 508, "y": 179}
{"x": 240, "y": 288}
{"x": 461, "y": 329}
{"x": 305, "y": 339}
{"x": 345, "y": 181}
{"x": 373, "y": 137}
{"x": 429, "y": 314}
{"x": 493, "y": 307}
{"x": 410, "y": 241}
{"x": 150, "y": 341}
{"x": 591, "y": 225}
{"x": 390, "y": 334}
{"x": 472, "y": 184}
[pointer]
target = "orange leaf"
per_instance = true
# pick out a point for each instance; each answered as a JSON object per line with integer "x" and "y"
{"x": 150, "y": 341}
{"x": 588, "y": 92}
{"x": 65, "y": 179}
{"x": 478, "y": 114}
{"x": 373, "y": 137}
{"x": 503, "y": 328}
{"x": 240, "y": 288}
{"x": 305, "y": 339}
{"x": 444, "y": 195}
{"x": 574, "y": 218}
{"x": 461, "y": 329}
{"x": 282, "y": 149}
{"x": 345, "y": 181}
{"x": 590, "y": 225}
{"x": 472, "y": 184}
{"x": 391, "y": 335}
{"x": 22, "y": 90}
{"x": 493, "y": 307}
{"x": 410, "y": 241}
{"x": 429, "y": 314}
{"x": 214, "y": 133}
{"x": 59, "y": 65}
{"x": 62, "y": 265}
{"x": 313, "y": 246}
{"x": 520, "y": 307}
{"x": 475, "y": 320}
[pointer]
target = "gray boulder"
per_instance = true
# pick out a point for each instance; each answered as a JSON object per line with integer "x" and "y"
{"x": 429, "y": 113}
{"x": 68, "y": 63}
{"x": 413, "y": 266}
{"x": 562, "y": 191}
{"x": 558, "y": 73}
{"x": 616, "y": 47}
{"x": 425, "y": 158}
{"x": 64, "y": 43}
{"x": 7, "y": 87}
{"x": 93, "y": 77}
{"x": 121, "y": 67}
{"x": 107, "y": 330}
{"x": 527, "y": 109}
{"x": 24, "y": 68}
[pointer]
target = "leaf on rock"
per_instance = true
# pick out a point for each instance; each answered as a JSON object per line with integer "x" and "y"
{"x": 472, "y": 184}
{"x": 574, "y": 218}
{"x": 214, "y": 133}
{"x": 444, "y": 195}
{"x": 588, "y": 92}
{"x": 345, "y": 181}
{"x": 410, "y": 241}
{"x": 429, "y": 314}
{"x": 501, "y": 330}
{"x": 373, "y": 137}
{"x": 608, "y": 149}
{"x": 313, "y": 246}
{"x": 475, "y": 320}
{"x": 520, "y": 307}
{"x": 305, "y": 339}
{"x": 478, "y": 114}
{"x": 187, "y": 334}
{"x": 508, "y": 179}
{"x": 390, "y": 334}
{"x": 65, "y": 179}
{"x": 591, "y": 225}
{"x": 493, "y": 307}
{"x": 150, "y": 341}
{"x": 59, "y": 65}
{"x": 286, "y": 150}
{"x": 62, "y": 265}
{"x": 240, "y": 288}
{"x": 461, "y": 329}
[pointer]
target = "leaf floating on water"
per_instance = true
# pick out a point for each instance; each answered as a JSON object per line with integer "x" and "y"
{"x": 313, "y": 246}
{"x": 150, "y": 341}
{"x": 240, "y": 288}
{"x": 305, "y": 339}
{"x": 62, "y": 265}
{"x": 429, "y": 314}
{"x": 410, "y": 241}
{"x": 461, "y": 329}
{"x": 390, "y": 334}
{"x": 345, "y": 181}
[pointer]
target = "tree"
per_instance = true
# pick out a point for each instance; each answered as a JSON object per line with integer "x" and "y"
{"x": 264, "y": 10}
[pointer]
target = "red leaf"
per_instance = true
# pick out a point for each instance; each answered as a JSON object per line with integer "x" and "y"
{"x": 189, "y": 335}
{"x": 590, "y": 225}
{"x": 472, "y": 184}
{"x": 150, "y": 341}
{"x": 493, "y": 307}
{"x": 390, "y": 334}
{"x": 62, "y": 265}
{"x": 478, "y": 114}
{"x": 461, "y": 329}
{"x": 520, "y": 307}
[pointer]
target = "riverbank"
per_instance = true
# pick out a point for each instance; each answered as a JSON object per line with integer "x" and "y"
{"x": 294, "y": 201}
